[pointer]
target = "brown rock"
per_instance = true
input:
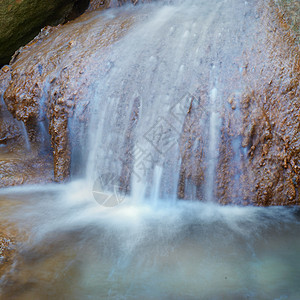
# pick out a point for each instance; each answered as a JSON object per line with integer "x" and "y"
{"x": 7, "y": 249}
{"x": 50, "y": 78}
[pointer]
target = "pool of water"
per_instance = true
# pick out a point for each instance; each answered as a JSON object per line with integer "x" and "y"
{"x": 70, "y": 247}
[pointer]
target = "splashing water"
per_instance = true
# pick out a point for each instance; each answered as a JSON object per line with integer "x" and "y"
{"x": 77, "y": 249}
{"x": 150, "y": 246}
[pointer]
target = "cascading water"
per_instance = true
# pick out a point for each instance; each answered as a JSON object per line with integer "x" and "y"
{"x": 168, "y": 74}
{"x": 143, "y": 98}
{"x": 25, "y": 135}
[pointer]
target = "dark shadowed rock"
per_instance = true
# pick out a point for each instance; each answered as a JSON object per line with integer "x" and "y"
{"x": 21, "y": 20}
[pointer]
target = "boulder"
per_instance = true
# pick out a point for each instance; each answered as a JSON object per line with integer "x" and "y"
{"x": 50, "y": 77}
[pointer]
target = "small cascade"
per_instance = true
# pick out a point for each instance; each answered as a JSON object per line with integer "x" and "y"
{"x": 138, "y": 183}
{"x": 159, "y": 117}
{"x": 157, "y": 174}
{"x": 142, "y": 102}
{"x": 44, "y": 136}
{"x": 25, "y": 136}
{"x": 214, "y": 135}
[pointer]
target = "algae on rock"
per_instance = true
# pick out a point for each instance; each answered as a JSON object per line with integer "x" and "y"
{"x": 21, "y": 20}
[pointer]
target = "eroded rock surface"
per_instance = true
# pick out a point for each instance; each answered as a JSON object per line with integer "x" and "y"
{"x": 269, "y": 131}
{"x": 290, "y": 11}
{"x": 259, "y": 147}
{"x": 23, "y": 157}
{"x": 271, "y": 118}
{"x": 9, "y": 129}
{"x": 50, "y": 82}
{"x": 58, "y": 77}
{"x": 7, "y": 249}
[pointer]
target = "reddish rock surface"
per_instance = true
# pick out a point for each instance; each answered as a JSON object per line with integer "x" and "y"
{"x": 50, "y": 77}
{"x": 7, "y": 249}
{"x": 57, "y": 78}
{"x": 19, "y": 165}
{"x": 259, "y": 150}
{"x": 269, "y": 129}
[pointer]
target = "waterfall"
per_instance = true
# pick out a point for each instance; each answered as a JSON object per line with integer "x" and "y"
{"x": 158, "y": 115}
{"x": 25, "y": 136}
{"x": 142, "y": 101}
{"x": 214, "y": 129}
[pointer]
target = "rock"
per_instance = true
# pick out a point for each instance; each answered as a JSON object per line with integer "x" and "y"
{"x": 290, "y": 13}
{"x": 102, "y": 4}
{"x": 19, "y": 165}
{"x": 57, "y": 67}
{"x": 270, "y": 130}
{"x": 98, "y": 4}
{"x": 258, "y": 157}
{"x": 17, "y": 168}
{"x": 9, "y": 127}
{"x": 7, "y": 249}
{"x": 21, "y": 20}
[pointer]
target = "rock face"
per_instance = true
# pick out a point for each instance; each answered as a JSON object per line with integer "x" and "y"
{"x": 6, "y": 252}
{"x": 266, "y": 121}
{"x": 269, "y": 130}
{"x": 49, "y": 82}
{"x": 9, "y": 129}
{"x": 48, "y": 89}
{"x": 259, "y": 150}
{"x": 21, "y": 20}
{"x": 24, "y": 158}
{"x": 291, "y": 11}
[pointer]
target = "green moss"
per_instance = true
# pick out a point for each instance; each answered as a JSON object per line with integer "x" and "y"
{"x": 21, "y": 20}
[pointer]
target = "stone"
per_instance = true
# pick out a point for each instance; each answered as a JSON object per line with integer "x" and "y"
{"x": 58, "y": 66}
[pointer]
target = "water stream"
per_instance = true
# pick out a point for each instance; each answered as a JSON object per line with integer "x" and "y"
{"x": 119, "y": 232}
{"x": 178, "y": 50}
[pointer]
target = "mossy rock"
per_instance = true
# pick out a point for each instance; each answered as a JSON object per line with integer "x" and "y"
{"x": 21, "y": 20}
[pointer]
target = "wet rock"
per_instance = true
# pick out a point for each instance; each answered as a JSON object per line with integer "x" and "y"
{"x": 102, "y": 4}
{"x": 98, "y": 4}
{"x": 193, "y": 167}
{"x": 17, "y": 167}
{"x": 10, "y": 131}
{"x": 51, "y": 75}
{"x": 274, "y": 110}
{"x": 21, "y": 20}
{"x": 7, "y": 249}
{"x": 9, "y": 128}
{"x": 270, "y": 136}
{"x": 258, "y": 156}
